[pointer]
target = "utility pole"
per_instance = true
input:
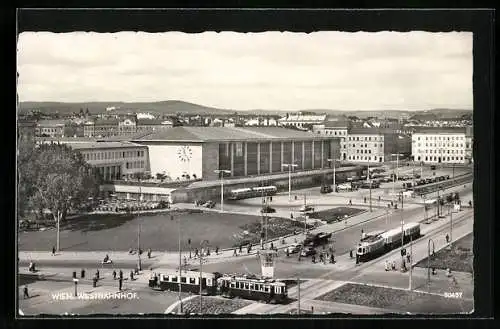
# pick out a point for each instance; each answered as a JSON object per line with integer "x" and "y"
{"x": 139, "y": 265}
{"x": 370, "y": 196}
{"x": 221, "y": 173}
{"x": 411, "y": 261}
{"x": 298, "y": 295}
{"x": 289, "y": 166}
{"x": 451, "y": 226}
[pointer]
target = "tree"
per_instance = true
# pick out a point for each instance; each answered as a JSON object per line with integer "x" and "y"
{"x": 59, "y": 179}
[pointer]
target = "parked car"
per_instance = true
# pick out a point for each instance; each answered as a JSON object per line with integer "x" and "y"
{"x": 326, "y": 189}
{"x": 308, "y": 251}
{"x": 447, "y": 176}
{"x": 433, "y": 167}
{"x": 267, "y": 210}
{"x": 416, "y": 176}
{"x": 386, "y": 179}
{"x": 294, "y": 248}
{"x": 209, "y": 204}
{"x": 306, "y": 208}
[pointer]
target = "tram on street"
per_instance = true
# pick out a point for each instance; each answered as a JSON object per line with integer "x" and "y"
{"x": 252, "y": 192}
{"x": 269, "y": 291}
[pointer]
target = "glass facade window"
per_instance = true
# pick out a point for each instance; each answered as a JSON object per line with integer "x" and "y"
{"x": 264, "y": 158}
{"x": 317, "y": 154}
{"x": 287, "y": 153}
{"x": 225, "y": 156}
{"x": 298, "y": 154}
{"x": 252, "y": 159}
{"x": 276, "y": 150}
{"x": 308, "y": 159}
{"x": 239, "y": 159}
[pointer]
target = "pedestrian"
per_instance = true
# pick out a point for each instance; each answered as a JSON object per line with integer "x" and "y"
{"x": 408, "y": 258}
{"x": 25, "y": 292}
{"x": 196, "y": 252}
{"x": 393, "y": 265}
{"x": 97, "y": 274}
{"x": 291, "y": 215}
{"x": 248, "y": 249}
{"x": 379, "y": 198}
{"x": 447, "y": 238}
{"x": 386, "y": 265}
{"x": 217, "y": 250}
{"x": 235, "y": 254}
{"x": 131, "y": 275}
{"x": 272, "y": 246}
{"x": 241, "y": 247}
{"x": 120, "y": 283}
{"x": 350, "y": 253}
{"x": 53, "y": 251}
{"x": 363, "y": 235}
{"x": 350, "y": 202}
{"x": 287, "y": 252}
{"x": 332, "y": 259}
{"x": 120, "y": 275}
{"x": 149, "y": 253}
{"x": 314, "y": 259}
{"x": 208, "y": 251}
{"x": 470, "y": 203}
{"x": 114, "y": 275}
{"x": 321, "y": 257}
{"x": 365, "y": 199}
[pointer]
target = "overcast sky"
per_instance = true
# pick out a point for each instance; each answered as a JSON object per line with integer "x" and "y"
{"x": 272, "y": 70}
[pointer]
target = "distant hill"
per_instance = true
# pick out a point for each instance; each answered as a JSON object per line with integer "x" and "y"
{"x": 176, "y": 106}
{"x": 163, "y": 107}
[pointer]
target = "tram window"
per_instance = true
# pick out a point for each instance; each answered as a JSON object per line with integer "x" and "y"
{"x": 183, "y": 279}
{"x": 278, "y": 290}
{"x": 192, "y": 280}
{"x": 232, "y": 285}
{"x": 251, "y": 286}
{"x": 174, "y": 279}
{"x": 266, "y": 288}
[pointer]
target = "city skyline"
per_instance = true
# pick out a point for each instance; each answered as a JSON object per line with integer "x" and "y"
{"x": 253, "y": 71}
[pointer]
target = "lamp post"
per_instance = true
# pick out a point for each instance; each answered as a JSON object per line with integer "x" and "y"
{"x": 395, "y": 175}
{"x": 222, "y": 171}
{"x": 429, "y": 260}
{"x": 451, "y": 225}
{"x": 139, "y": 263}
{"x": 333, "y": 163}
{"x": 204, "y": 242}
{"x": 289, "y": 166}
{"x": 75, "y": 280}
{"x": 180, "y": 261}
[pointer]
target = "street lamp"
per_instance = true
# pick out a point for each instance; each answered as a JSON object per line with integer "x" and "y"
{"x": 204, "y": 242}
{"x": 289, "y": 166}
{"x": 333, "y": 163}
{"x": 139, "y": 264}
{"x": 180, "y": 262}
{"x": 451, "y": 225}
{"x": 395, "y": 176}
{"x": 429, "y": 260}
{"x": 75, "y": 280}
{"x": 222, "y": 171}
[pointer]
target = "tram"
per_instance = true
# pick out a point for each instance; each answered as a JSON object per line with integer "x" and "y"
{"x": 189, "y": 281}
{"x": 252, "y": 192}
{"x": 270, "y": 291}
{"x": 380, "y": 243}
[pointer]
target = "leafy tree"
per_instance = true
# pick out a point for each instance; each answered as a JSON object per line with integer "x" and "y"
{"x": 58, "y": 179}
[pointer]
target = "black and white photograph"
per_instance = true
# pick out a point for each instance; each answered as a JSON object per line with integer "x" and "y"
{"x": 227, "y": 173}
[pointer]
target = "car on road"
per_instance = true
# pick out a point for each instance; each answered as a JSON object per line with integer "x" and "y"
{"x": 294, "y": 248}
{"x": 417, "y": 176}
{"x": 209, "y": 204}
{"x": 306, "y": 209}
{"x": 308, "y": 251}
{"x": 267, "y": 210}
{"x": 433, "y": 167}
{"x": 326, "y": 189}
{"x": 386, "y": 179}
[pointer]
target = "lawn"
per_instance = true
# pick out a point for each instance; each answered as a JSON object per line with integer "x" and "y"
{"x": 335, "y": 214}
{"x": 214, "y": 305}
{"x": 459, "y": 258}
{"x": 276, "y": 227}
{"x": 396, "y": 300}
{"x": 158, "y": 232}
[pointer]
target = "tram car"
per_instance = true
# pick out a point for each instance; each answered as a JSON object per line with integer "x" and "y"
{"x": 189, "y": 280}
{"x": 378, "y": 244}
{"x": 270, "y": 291}
{"x": 252, "y": 192}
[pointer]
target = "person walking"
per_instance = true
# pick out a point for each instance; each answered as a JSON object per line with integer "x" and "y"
{"x": 234, "y": 253}
{"x": 241, "y": 247}
{"x": 53, "y": 251}
{"x": 120, "y": 283}
{"x": 217, "y": 250}
{"x": 25, "y": 292}
{"x": 365, "y": 199}
{"x": 120, "y": 275}
{"x": 447, "y": 238}
{"x": 114, "y": 275}
{"x": 350, "y": 202}
{"x": 149, "y": 253}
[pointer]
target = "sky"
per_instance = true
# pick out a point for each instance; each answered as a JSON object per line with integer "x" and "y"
{"x": 247, "y": 71}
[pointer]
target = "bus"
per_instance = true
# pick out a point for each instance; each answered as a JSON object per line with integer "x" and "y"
{"x": 252, "y": 192}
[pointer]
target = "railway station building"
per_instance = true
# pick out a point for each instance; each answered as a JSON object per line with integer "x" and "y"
{"x": 244, "y": 151}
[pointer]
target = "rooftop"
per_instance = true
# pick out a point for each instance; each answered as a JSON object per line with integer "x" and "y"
{"x": 102, "y": 145}
{"x": 439, "y": 130}
{"x": 202, "y": 134}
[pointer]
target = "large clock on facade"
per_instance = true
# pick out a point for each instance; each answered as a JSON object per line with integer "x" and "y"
{"x": 184, "y": 153}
